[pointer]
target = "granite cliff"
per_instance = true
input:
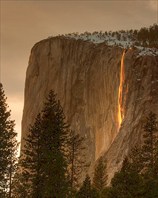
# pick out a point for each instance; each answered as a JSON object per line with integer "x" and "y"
{"x": 95, "y": 83}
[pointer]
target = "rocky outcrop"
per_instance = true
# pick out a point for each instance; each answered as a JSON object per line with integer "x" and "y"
{"x": 86, "y": 78}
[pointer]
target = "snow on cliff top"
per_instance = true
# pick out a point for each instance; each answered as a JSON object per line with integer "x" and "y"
{"x": 121, "y": 39}
{"x": 147, "y": 51}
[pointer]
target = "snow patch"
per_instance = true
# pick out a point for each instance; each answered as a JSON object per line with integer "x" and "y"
{"x": 122, "y": 39}
{"x": 143, "y": 51}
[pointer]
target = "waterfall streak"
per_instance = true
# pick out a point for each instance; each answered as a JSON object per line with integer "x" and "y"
{"x": 120, "y": 94}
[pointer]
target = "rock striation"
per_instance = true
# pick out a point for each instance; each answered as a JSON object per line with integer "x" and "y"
{"x": 86, "y": 78}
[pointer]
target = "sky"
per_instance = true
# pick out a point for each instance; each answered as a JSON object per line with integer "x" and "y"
{"x": 24, "y": 22}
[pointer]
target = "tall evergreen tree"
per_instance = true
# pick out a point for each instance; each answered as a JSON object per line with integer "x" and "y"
{"x": 144, "y": 159}
{"x": 150, "y": 157}
{"x": 100, "y": 176}
{"x": 31, "y": 162}
{"x": 44, "y": 163}
{"x": 77, "y": 160}
{"x": 22, "y": 185}
{"x": 86, "y": 190}
{"x": 55, "y": 139}
{"x": 8, "y": 147}
{"x": 126, "y": 184}
{"x": 149, "y": 148}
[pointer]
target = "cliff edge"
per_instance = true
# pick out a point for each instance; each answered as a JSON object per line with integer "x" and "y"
{"x": 87, "y": 79}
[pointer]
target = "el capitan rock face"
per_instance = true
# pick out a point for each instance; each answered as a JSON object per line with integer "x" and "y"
{"x": 86, "y": 78}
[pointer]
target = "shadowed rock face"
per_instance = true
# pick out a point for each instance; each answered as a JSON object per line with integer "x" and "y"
{"x": 86, "y": 78}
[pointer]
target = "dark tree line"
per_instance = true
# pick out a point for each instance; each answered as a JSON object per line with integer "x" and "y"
{"x": 138, "y": 177}
{"x": 54, "y": 158}
{"x": 145, "y": 37}
{"x": 8, "y": 148}
{"x": 98, "y": 187}
{"x": 148, "y": 36}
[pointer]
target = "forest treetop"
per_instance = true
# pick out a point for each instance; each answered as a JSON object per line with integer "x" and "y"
{"x": 145, "y": 37}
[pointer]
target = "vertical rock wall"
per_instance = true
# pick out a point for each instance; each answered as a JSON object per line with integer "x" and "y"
{"x": 86, "y": 79}
{"x": 140, "y": 96}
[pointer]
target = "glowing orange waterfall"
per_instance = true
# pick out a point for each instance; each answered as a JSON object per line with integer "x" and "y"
{"x": 120, "y": 99}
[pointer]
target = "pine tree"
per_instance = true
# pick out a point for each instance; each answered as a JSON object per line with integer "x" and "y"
{"x": 44, "y": 162}
{"x": 8, "y": 147}
{"x": 100, "y": 176}
{"x": 55, "y": 138}
{"x": 135, "y": 158}
{"x": 144, "y": 159}
{"x": 156, "y": 158}
{"x": 149, "y": 153}
{"x": 86, "y": 190}
{"x": 77, "y": 160}
{"x": 126, "y": 183}
{"x": 140, "y": 170}
{"x": 31, "y": 162}
{"x": 21, "y": 182}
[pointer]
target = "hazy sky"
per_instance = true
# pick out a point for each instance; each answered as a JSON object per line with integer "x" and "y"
{"x": 23, "y": 23}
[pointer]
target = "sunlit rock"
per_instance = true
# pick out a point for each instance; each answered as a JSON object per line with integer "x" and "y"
{"x": 86, "y": 78}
